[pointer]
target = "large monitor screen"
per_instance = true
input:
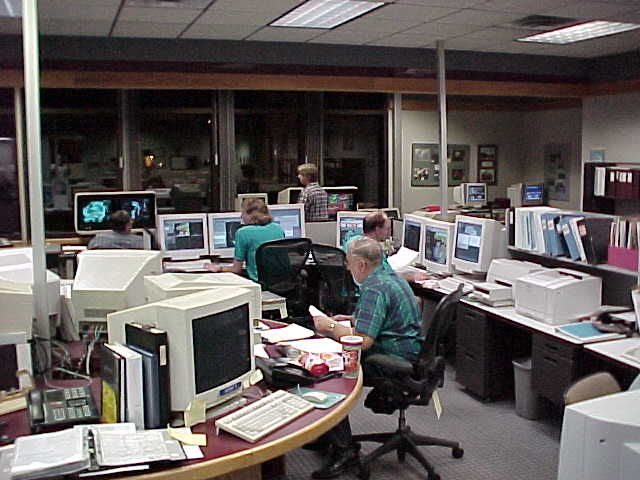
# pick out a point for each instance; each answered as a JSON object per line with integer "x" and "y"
{"x": 221, "y": 347}
{"x": 184, "y": 234}
{"x": 411, "y": 235}
{"x": 348, "y": 228}
{"x": 337, "y": 202}
{"x": 468, "y": 242}
{"x": 435, "y": 245}
{"x": 476, "y": 193}
{"x": 290, "y": 219}
{"x": 223, "y": 230}
{"x": 92, "y": 210}
{"x": 532, "y": 193}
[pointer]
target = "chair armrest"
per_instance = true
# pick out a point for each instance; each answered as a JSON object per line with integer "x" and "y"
{"x": 391, "y": 364}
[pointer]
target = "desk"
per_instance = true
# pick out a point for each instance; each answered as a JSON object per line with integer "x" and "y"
{"x": 226, "y": 454}
{"x": 489, "y": 338}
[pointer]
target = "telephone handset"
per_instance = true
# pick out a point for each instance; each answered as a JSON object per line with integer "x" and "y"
{"x": 55, "y": 408}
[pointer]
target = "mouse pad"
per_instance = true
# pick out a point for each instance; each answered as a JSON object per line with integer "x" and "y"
{"x": 331, "y": 400}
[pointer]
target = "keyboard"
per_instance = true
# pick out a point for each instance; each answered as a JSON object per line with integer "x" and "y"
{"x": 188, "y": 266}
{"x": 451, "y": 284}
{"x": 254, "y": 421}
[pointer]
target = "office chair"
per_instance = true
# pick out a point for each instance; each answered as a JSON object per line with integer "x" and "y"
{"x": 409, "y": 384}
{"x": 279, "y": 264}
{"x": 337, "y": 290}
{"x": 591, "y": 386}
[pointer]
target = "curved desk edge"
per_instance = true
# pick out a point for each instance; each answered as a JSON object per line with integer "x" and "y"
{"x": 259, "y": 454}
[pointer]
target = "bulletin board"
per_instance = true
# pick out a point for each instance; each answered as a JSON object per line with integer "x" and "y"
{"x": 425, "y": 166}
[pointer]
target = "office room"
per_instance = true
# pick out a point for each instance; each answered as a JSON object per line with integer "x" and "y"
{"x": 202, "y": 100}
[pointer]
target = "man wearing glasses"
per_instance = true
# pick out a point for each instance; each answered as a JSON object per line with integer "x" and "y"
{"x": 388, "y": 320}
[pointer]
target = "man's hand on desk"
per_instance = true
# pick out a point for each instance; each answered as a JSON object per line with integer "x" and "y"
{"x": 214, "y": 267}
{"x": 330, "y": 327}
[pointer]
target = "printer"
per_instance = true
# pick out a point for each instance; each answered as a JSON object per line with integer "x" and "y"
{"x": 492, "y": 294}
{"x": 557, "y": 296}
{"x": 505, "y": 271}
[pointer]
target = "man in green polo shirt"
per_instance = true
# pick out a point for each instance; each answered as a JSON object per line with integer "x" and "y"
{"x": 388, "y": 320}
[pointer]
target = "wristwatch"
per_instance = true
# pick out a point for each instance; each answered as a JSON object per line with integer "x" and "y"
{"x": 332, "y": 325}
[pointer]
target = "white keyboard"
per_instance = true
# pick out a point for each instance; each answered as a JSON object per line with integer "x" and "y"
{"x": 188, "y": 266}
{"x": 254, "y": 421}
{"x": 451, "y": 284}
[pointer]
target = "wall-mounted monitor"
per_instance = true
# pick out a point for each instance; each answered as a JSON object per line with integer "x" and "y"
{"x": 243, "y": 197}
{"x": 438, "y": 245}
{"x": 290, "y": 218}
{"x": 289, "y": 195}
{"x": 92, "y": 210}
{"x": 348, "y": 225}
{"x": 222, "y": 233}
{"x": 184, "y": 235}
{"x": 477, "y": 242}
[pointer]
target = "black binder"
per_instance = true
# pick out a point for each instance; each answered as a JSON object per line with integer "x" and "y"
{"x": 594, "y": 233}
{"x": 153, "y": 341}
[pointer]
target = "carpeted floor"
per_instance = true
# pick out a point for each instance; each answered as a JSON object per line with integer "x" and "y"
{"x": 498, "y": 444}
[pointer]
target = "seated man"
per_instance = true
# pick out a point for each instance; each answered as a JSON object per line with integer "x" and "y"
{"x": 388, "y": 320}
{"x": 377, "y": 226}
{"x": 120, "y": 237}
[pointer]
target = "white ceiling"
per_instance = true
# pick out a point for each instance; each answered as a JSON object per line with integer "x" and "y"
{"x": 478, "y": 25}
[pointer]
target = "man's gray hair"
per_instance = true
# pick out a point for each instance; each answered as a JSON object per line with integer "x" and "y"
{"x": 366, "y": 248}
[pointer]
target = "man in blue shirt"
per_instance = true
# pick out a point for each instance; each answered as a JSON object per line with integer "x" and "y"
{"x": 388, "y": 320}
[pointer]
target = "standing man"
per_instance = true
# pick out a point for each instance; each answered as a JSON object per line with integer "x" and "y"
{"x": 388, "y": 320}
{"x": 313, "y": 195}
{"x": 120, "y": 237}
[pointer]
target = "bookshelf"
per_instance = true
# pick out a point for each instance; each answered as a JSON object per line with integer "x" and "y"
{"x": 617, "y": 282}
{"x": 626, "y": 202}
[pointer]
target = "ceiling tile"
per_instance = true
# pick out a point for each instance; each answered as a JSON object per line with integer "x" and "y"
{"x": 405, "y": 41}
{"x": 480, "y": 17}
{"x": 224, "y": 17}
{"x": 77, "y": 10}
{"x": 277, "y": 34}
{"x": 519, "y": 47}
{"x": 344, "y": 37}
{"x": 264, "y": 6}
{"x": 590, "y": 10}
{"x": 365, "y": 24}
{"x": 219, "y": 32}
{"x": 193, "y": 4}
{"x": 498, "y": 34}
{"x": 524, "y": 6}
{"x": 410, "y": 12}
{"x": 443, "y": 3}
{"x": 148, "y": 30}
{"x": 87, "y": 28}
{"x": 442, "y": 30}
{"x": 468, "y": 44}
{"x": 158, "y": 15}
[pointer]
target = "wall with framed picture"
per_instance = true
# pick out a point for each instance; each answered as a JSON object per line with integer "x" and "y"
{"x": 425, "y": 166}
{"x": 488, "y": 164}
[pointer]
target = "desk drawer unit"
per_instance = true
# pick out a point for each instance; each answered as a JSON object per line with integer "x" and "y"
{"x": 554, "y": 366}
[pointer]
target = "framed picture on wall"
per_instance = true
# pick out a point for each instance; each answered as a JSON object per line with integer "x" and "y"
{"x": 425, "y": 164}
{"x": 488, "y": 164}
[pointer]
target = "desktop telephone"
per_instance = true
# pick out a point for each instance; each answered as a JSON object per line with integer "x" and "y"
{"x": 54, "y": 408}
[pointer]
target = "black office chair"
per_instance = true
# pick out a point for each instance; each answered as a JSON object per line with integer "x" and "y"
{"x": 279, "y": 264}
{"x": 337, "y": 290}
{"x": 409, "y": 384}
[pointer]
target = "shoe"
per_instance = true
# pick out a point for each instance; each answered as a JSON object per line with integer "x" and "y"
{"x": 318, "y": 445}
{"x": 340, "y": 461}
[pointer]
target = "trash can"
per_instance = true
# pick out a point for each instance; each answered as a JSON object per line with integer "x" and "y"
{"x": 526, "y": 399}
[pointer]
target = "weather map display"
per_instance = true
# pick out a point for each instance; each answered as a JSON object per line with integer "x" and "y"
{"x": 92, "y": 210}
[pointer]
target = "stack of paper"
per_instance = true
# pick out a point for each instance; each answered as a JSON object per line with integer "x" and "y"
{"x": 290, "y": 332}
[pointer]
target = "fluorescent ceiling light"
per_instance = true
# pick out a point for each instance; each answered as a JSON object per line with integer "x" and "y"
{"x": 325, "y": 13}
{"x": 579, "y": 32}
{"x": 10, "y": 8}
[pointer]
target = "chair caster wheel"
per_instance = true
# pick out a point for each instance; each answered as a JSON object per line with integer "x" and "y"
{"x": 457, "y": 452}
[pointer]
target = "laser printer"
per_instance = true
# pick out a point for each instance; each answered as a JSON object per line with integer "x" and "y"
{"x": 505, "y": 271}
{"x": 558, "y": 295}
{"x": 492, "y": 294}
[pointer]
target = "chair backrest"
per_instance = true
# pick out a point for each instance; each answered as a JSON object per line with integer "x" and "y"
{"x": 338, "y": 284}
{"x": 279, "y": 263}
{"x": 591, "y": 386}
{"x": 442, "y": 319}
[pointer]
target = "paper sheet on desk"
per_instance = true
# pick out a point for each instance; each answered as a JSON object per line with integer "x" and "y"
{"x": 403, "y": 258}
{"x": 317, "y": 345}
{"x": 290, "y": 332}
{"x": 315, "y": 312}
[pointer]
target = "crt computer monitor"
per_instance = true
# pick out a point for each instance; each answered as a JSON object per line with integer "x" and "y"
{"x": 210, "y": 342}
{"x": 470, "y": 194}
{"x": 241, "y": 198}
{"x": 289, "y": 195}
{"x": 477, "y": 242}
{"x": 110, "y": 280}
{"x": 412, "y": 233}
{"x": 290, "y": 218}
{"x": 340, "y": 198}
{"x": 437, "y": 248}
{"x": 532, "y": 194}
{"x": 184, "y": 236}
{"x": 92, "y": 210}
{"x": 222, "y": 233}
{"x": 348, "y": 225}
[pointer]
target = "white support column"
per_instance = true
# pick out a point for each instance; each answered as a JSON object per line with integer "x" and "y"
{"x": 36, "y": 210}
{"x": 442, "y": 110}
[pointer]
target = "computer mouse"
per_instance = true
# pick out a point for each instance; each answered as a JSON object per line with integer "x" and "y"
{"x": 314, "y": 396}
